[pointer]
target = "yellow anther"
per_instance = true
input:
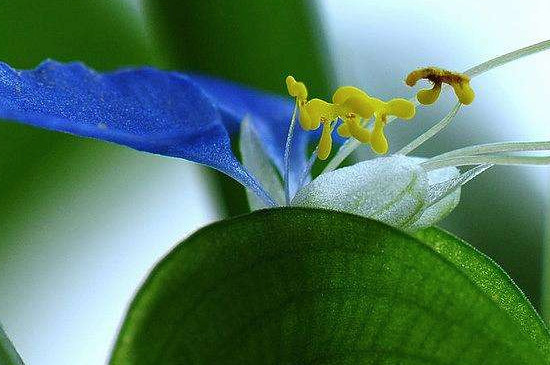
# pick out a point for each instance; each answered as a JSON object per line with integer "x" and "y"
{"x": 356, "y": 130}
{"x": 363, "y": 106}
{"x": 345, "y": 92}
{"x": 464, "y": 92}
{"x": 296, "y": 89}
{"x": 319, "y": 111}
{"x": 343, "y": 130}
{"x": 379, "y": 143}
{"x": 325, "y": 143}
{"x": 354, "y": 108}
{"x": 304, "y": 118}
{"x": 429, "y": 96}
{"x": 401, "y": 108}
{"x": 459, "y": 82}
{"x": 355, "y": 105}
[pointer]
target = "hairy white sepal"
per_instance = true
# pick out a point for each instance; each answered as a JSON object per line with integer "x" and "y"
{"x": 394, "y": 190}
{"x": 258, "y": 163}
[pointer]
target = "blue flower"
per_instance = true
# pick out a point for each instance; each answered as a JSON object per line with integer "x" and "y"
{"x": 167, "y": 113}
{"x": 193, "y": 117}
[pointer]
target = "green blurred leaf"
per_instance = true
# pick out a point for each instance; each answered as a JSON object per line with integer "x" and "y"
{"x": 103, "y": 33}
{"x": 257, "y": 43}
{"x": 295, "y": 286}
{"x": 8, "y": 354}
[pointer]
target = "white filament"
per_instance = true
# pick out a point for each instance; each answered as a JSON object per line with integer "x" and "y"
{"x": 438, "y": 127}
{"x": 486, "y": 159}
{"x": 495, "y": 148}
{"x": 288, "y": 148}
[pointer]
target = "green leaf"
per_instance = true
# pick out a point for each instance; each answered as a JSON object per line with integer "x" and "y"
{"x": 8, "y": 355}
{"x": 297, "y": 286}
{"x": 494, "y": 282}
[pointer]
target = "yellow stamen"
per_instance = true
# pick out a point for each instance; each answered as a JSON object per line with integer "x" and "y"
{"x": 320, "y": 111}
{"x": 296, "y": 89}
{"x": 343, "y": 130}
{"x": 356, "y": 131}
{"x": 459, "y": 82}
{"x": 350, "y": 105}
{"x": 429, "y": 96}
{"x": 351, "y": 110}
{"x": 379, "y": 143}
{"x": 401, "y": 108}
{"x": 325, "y": 143}
{"x": 345, "y": 92}
{"x": 464, "y": 92}
{"x": 363, "y": 106}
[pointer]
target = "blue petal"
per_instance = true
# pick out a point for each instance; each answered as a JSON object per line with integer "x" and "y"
{"x": 149, "y": 110}
{"x": 270, "y": 115}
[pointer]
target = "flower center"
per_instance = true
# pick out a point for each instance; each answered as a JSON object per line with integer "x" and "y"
{"x": 353, "y": 108}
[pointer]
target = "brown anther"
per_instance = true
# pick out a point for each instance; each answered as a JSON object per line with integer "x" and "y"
{"x": 459, "y": 82}
{"x": 436, "y": 75}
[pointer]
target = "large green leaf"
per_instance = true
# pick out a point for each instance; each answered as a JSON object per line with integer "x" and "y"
{"x": 494, "y": 282}
{"x": 296, "y": 286}
{"x": 8, "y": 355}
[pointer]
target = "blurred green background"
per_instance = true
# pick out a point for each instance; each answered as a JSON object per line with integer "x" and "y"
{"x": 82, "y": 221}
